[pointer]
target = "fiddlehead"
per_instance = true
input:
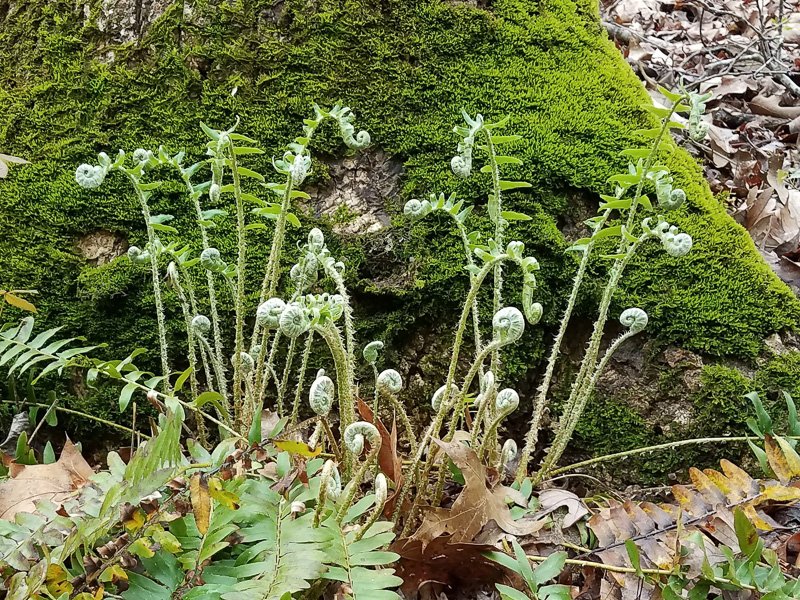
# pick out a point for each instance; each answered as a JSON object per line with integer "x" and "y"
{"x": 370, "y": 352}
{"x": 508, "y": 324}
{"x": 211, "y": 260}
{"x": 268, "y": 313}
{"x": 344, "y": 116}
{"x": 416, "y": 209}
{"x": 354, "y": 437}
{"x": 390, "y": 381}
{"x": 507, "y": 454}
{"x": 321, "y": 395}
{"x": 201, "y": 325}
{"x": 90, "y": 177}
{"x": 294, "y": 321}
{"x": 330, "y": 486}
{"x": 137, "y": 256}
{"x": 381, "y": 494}
{"x": 506, "y": 402}
{"x": 246, "y": 362}
{"x": 356, "y": 433}
{"x": 635, "y": 319}
{"x": 461, "y": 164}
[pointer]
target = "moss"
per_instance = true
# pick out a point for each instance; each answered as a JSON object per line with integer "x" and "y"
{"x": 407, "y": 69}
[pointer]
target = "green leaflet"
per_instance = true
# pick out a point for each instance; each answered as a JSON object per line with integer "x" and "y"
{"x": 347, "y": 557}
{"x": 286, "y": 554}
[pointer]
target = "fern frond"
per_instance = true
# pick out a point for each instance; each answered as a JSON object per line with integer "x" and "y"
{"x": 349, "y": 559}
{"x": 16, "y": 346}
{"x": 286, "y": 555}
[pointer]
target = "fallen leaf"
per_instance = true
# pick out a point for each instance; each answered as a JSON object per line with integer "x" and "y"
{"x": 452, "y": 564}
{"x": 390, "y": 463}
{"x": 770, "y": 106}
{"x": 479, "y": 502}
{"x": 294, "y": 447}
{"x": 30, "y": 485}
{"x": 552, "y": 499}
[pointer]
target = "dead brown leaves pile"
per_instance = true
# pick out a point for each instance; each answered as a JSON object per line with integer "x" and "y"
{"x": 29, "y": 485}
{"x": 483, "y": 499}
{"x": 734, "y": 49}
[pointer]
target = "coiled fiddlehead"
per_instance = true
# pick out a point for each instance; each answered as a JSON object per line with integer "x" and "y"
{"x": 461, "y": 165}
{"x": 697, "y": 128}
{"x": 370, "y": 351}
{"x": 90, "y": 177}
{"x": 247, "y": 363}
{"x": 211, "y": 260}
{"x": 390, "y": 381}
{"x": 381, "y": 494}
{"x": 316, "y": 240}
{"x": 137, "y": 256}
{"x": 293, "y": 321}
{"x": 268, "y": 314}
{"x": 330, "y": 486}
{"x": 438, "y": 397}
{"x": 345, "y": 117}
{"x": 676, "y": 244}
{"x": 201, "y": 325}
{"x": 416, "y": 209}
{"x": 506, "y": 402}
{"x": 321, "y": 395}
{"x": 354, "y": 437}
{"x": 355, "y": 434}
{"x": 635, "y": 319}
{"x": 508, "y": 325}
{"x": 507, "y": 454}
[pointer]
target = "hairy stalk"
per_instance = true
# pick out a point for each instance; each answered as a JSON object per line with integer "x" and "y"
{"x": 301, "y": 378}
{"x": 238, "y": 404}
{"x": 476, "y": 323}
{"x": 218, "y": 369}
{"x": 498, "y": 238}
{"x": 191, "y": 342}
{"x": 544, "y": 388}
{"x": 376, "y": 395}
{"x": 400, "y": 409}
{"x": 271, "y": 276}
{"x": 488, "y": 439}
{"x": 216, "y": 178}
{"x": 160, "y": 317}
{"x": 433, "y": 430}
{"x": 268, "y": 366}
{"x": 78, "y": 413}
{"x": 353, "y": 486}
{"x": 326, "y": 427}
{"x": 284, "y": 383}
{"x": 480, "y": 416}
{"x": 322, "y": 495}
{"x": 583, "y": 383}
{"x": 204, "y": 358}
{"x": 345, "y": 385}
{"x": 349, "y": 328}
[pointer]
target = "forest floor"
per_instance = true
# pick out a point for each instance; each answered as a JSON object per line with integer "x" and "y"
{"x": 747, "y": 54}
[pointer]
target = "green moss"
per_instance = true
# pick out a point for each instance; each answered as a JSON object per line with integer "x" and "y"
{"x": 407, "y": 69}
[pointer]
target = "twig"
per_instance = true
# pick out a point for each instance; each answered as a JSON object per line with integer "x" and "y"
{"x": 80, "y": 414}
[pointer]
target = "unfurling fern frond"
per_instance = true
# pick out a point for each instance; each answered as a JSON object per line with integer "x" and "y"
{"x": 356, "y": 563}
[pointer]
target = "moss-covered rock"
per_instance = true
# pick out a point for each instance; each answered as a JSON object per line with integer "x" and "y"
{"x": 75, "y": 80}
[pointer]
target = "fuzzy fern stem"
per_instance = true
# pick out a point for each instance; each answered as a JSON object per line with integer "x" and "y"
{"x": 301, "y": 378}
{"x": 160, "y": 317}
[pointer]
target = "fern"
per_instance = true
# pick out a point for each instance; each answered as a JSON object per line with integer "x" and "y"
{"x": 348, "y": 559}
{"x": 286, "y": 554}
{"x": 16, "y": 343}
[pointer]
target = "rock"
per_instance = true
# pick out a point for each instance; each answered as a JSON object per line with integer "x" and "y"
{"x": 358, "y": 191}
{"x": 102, "y": 246}
{"x": 128, "y": 20}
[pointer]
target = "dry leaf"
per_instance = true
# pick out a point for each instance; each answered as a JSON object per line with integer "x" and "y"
{"x": 442, "y": 562}
{"x": 478, "y": 503}
{"x": 390, "y": 463}
{"x": 552, "y": 499}
{"x": 30, "y": 485}
{"x": 201, "y": 502}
